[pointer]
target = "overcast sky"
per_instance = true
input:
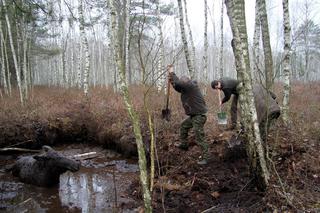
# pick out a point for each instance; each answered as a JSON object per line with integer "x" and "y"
{"x": 274, "y": 10}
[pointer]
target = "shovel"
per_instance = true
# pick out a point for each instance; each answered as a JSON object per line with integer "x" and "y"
{"x": 222, "y": 116}
{"x": 166, "y": 113}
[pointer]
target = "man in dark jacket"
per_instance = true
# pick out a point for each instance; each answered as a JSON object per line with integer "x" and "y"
{"x": 265, "y": 102}
{"x": 229, "y": 87}
{"x": 195, "y": 107}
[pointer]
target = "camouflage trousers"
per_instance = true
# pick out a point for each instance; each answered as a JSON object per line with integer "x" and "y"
{"x": 234, "y": 110}
{"x": 197, "y": 123}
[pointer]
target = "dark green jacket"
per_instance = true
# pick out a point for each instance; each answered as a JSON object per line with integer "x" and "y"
{"x": 229, "y": 87}
{"x": 191, "y": 97}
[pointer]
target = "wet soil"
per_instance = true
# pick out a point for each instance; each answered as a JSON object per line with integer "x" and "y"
{"x": 223, "y": 185}
{"x": 101, "y": 185}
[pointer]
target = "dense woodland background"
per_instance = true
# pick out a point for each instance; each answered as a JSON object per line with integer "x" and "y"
{"x": 89, "y": 71}
{"x": 48, "y": 46}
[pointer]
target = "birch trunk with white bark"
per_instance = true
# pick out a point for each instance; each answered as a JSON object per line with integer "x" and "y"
{"x": 120, "y": 63}
{"x": 3, "y": 61}
{"x": 16, "y": 65}
{"x": 214, "y": 52}
{"x": 268, "y": 62}
{"x": 221, "y": 41}
{"x": 286, "y": 61}
{"x": 25, "y": 66}
{"x": 193, "y": 48}
{"x": 205, "y": 46}
{"x": 160, "y": 70}
{"x": 185, "y": 42}
{"x": 79, "y": 69}
{"x": 85, "y": 45}
{"x": 256, "y": 43}
{"x": 258, "y": 165}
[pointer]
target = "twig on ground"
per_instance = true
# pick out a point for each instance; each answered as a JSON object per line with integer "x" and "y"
{"x": 193, "y": 179}
{"x": 18, "y": 150}
{"x": 23, "y": 142}
{"x": 209, "y": 210}
{"x": 85, "y": 156}
{"x": 159, "y": 169}
{"x": 284, "y": 193}
{"x": 243, "y": 189}
{"x": 115, "y": 189}
{"x": 24, "y": 202}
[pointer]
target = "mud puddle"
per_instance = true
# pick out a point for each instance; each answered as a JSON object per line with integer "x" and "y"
{"x": 101, "y": 185}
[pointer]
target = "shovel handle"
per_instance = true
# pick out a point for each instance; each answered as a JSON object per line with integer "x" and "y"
{"x": 219, "y": 95}
{"x": 169, "y": 68}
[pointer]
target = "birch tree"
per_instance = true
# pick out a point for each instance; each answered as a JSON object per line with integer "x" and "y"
{"x": 214, "y": 58}
{"x": 85, "y": 45}
{"x": 3, "y": 61}
{"x": 221, "y": 41}
{"x": 256, "y": 42}
{"x": 268, "y": 63}
{"x": 306, "y": 44}
{"x": 161, "y": 82}
{"x": 79, "y": 68}
{"x": 120, "y": 64}
{"x": 286, "y": 61}
{"x": 258, "y": 165}
{"x": 193, "y": 48}
{"x": 25, "y": 62}
{"x": 13, "y": 50}
{"x": 205, "y": 45}
{"x": 185, "y": 42}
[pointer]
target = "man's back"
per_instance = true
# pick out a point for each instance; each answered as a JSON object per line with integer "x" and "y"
{"x": 229, "y": 87}
{"x": 191, "y": 97}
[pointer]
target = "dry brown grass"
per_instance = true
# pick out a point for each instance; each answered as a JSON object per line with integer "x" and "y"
{"x": 54, "y": 115}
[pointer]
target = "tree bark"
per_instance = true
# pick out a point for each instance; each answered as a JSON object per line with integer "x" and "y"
{"x": 119, "y": 53}
{"x": 258, "y": 165}
{"x": 268, "y": 62}
{"x": 185, "y": 42}
{"x": 16, "y": 65}
{"x": 25, "y": 65}
{"x": 79, "y": 69}
{"x": 205, "y": 46}
{"x": 160, "y": 69}
{"x": 286, "y": 61}
{"x": 193, "y": 49}
{"x": 221, "y": 42}
{"x": 256, "y": 43}
{"x": 85, "y": 44}
{"x": 2, "y": 62}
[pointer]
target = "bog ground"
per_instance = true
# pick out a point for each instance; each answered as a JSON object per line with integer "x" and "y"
{"x": 55, "y": 116}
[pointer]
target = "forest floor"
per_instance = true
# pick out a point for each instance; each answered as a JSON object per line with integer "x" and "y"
{"x": 56, "y": 115}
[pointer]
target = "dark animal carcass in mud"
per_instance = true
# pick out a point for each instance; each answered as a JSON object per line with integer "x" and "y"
{"x": 43, "y": 169}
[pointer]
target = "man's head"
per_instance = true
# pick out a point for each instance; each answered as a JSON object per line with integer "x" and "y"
{"x": 184, "y": 79}
{"x": 216, "y": 84}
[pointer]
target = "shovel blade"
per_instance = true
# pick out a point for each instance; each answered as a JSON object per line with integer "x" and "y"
{"x": 166, "y": 114}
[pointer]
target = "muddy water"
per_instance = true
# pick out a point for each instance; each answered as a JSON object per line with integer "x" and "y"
{"x": 101, "y": 185}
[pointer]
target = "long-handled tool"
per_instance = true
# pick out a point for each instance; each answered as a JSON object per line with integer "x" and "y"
{"x": 166, "y": 113}
{"x": 222, "y": 116}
